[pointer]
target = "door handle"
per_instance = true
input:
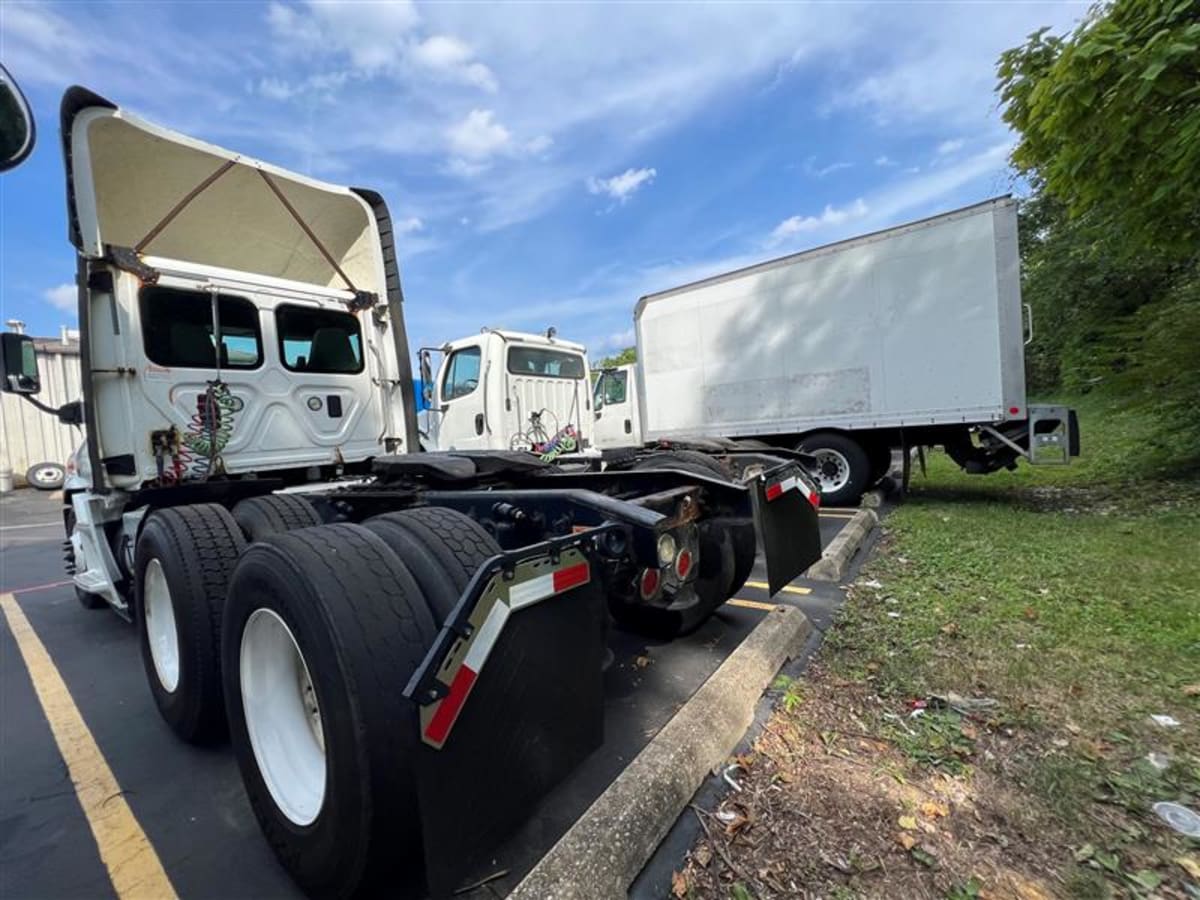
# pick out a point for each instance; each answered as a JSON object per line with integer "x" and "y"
{"x": 628, "y": 426}
{"x": 479, "y": 423}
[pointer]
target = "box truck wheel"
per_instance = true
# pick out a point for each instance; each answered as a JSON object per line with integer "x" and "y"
{"x": 46, "y": 476}
{"x": 442, "y": 548}
{"x": 260, "y": 516}
{"x": 320, "y": 634}
{"x": 843, "y": 467}
{"x": 182, "y": 564}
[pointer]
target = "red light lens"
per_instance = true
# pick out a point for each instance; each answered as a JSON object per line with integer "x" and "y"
{"x": 683, "y": 563}
{"x": 1013, "y": 410}
{"x": 649, "y": 583}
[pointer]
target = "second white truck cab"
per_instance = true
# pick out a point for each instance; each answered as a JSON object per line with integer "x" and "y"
{"x": 617, "y": 413}
{"x": 509, "y": 390}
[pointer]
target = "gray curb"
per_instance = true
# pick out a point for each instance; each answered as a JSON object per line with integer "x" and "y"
{"x": 602, "y": 853}
{"x": 836, "y": 558}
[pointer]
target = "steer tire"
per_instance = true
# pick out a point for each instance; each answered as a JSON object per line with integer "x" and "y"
{"x": 341, "y": 593}
{"x": 273, "y": 514}
{"x": 858, "y": 464}
{"x": 442, "y": 548}
{"x": 195, "y": 549}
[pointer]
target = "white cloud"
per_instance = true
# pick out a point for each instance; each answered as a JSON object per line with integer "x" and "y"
{"x": 372, "y": 35}
{"x": 945, "y": 148}
{"x": 884, "y": 161}
{"x": 451, "y": 57}
{"x": 830, "y": 215}
{"x": 275, "y": 89}
{"x": 623, "y": 186}
{"x": 811, "y": 168}
{"x": 410, "y": 225}
{"x": 64, "y": 297}
{"x": 478, "y": 136}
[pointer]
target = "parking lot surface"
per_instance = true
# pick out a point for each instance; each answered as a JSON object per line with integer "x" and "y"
{"x": 83, "y": 709}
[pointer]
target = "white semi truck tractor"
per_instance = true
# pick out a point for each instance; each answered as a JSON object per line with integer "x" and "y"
{"x": 904, "y": 338}
{"x": 389, "y": 638}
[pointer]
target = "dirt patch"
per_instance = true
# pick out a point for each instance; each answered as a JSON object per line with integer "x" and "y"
{"x": 847, "y": 795}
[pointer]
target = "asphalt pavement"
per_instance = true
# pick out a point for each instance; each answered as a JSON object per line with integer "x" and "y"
{"x": 188, "y": 801}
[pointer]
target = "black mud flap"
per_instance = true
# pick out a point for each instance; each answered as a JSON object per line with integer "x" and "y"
{"x": 785, "y": 516}
{"x": 510, "y": 701}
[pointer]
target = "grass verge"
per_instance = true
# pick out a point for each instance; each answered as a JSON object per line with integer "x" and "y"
{"x": 1038, "y": 620}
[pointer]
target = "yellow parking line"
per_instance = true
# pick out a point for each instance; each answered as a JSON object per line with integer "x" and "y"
{"x": 787, "y": 589}
{"x": 751, "y": 604}
{"x": 133, "y": 865}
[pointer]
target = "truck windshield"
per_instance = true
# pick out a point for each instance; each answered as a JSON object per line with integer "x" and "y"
{"x": 318, "y": 340}
{"x": 546, "y": 363}
{"x": 177, "y": 329}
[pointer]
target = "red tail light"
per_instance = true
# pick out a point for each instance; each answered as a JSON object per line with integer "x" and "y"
{"x": 648, "y": 583}
{"x": 683, "y": 564}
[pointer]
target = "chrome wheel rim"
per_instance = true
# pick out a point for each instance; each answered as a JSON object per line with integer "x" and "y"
{"x": 833, "y": 470}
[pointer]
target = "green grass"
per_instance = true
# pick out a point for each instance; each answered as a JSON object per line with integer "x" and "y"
{"x": 1072, "y": 596}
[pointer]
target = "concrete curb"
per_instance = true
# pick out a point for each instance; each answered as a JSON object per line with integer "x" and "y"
{"x": 602, "y": 853}
{"x": 836, "y": 558}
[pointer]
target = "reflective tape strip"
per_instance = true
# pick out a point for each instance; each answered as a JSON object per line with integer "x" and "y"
{"x": 779, "y": 488}
{"x": 535, "y": 589}
{"x": 450, "y": 705}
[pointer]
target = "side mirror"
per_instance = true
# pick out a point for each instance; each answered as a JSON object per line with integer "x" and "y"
{"x": 426, "y": 377}
{"x": 18, "y": 361}
{"x": 17, "y": 132}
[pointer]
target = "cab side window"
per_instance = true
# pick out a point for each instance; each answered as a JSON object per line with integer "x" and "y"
{"x": 614, "y": 388}
{"x": 462, "y": 373}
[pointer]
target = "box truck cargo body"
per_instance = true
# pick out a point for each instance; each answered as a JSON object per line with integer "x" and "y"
{"x": 909, "y": 336}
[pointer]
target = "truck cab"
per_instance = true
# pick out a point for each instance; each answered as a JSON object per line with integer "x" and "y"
{"x": 510, "y": 390}
{"x": 618, "y": 411}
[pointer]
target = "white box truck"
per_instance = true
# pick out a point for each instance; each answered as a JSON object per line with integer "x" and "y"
{"x": 907, "y": 337}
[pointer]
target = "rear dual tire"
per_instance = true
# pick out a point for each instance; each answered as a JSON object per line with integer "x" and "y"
{"x": 340, "y": 606}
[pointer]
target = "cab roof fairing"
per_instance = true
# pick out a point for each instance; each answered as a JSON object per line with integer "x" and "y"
{"x": 125, "y": 175}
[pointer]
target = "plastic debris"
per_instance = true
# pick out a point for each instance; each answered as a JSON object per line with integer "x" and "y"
{"x": 729, "y": 780}
{"x": 1179, "y": 817}
{"x": 1160, "y": 761}
{"x": 872, "y": 583}
{"x": 963, "y": 705}
{"x": 892, "y": 614}
{"x": 1164, "y": 720}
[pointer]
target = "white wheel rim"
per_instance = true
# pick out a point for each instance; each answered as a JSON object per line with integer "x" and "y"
{"x": 833, "y": 470}
{"x": 282, "y": 717}
{"x": 45, "y": 475}
{"x": 160, "y": 626}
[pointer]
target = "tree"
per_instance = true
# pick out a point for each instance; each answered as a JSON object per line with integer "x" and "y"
{"x": 1109, "y": 121}
{"x": 624, "y": 358}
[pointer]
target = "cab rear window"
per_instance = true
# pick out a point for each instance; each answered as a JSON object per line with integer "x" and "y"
{"x": 544, "y": 363}
{"x": 319, "y": 340}
{"x": 177, "y": 329}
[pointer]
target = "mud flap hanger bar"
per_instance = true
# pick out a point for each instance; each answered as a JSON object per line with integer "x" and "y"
{"x": 129, "y": 258}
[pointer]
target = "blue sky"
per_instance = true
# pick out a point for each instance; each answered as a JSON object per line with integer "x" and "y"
{"x": 547, "y": 163}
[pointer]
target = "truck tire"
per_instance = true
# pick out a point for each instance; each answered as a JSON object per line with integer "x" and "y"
{"x": 442, "y": 548}
{"x": 46, "y": 476}
{"x": 320, "y": 635}
{"x": 184, "y": 559}
{"x": 686, "y": 460}
{"x": 274, "y": 513}
{"x": 86, "y": 599}
{"x": 843, "y": 467}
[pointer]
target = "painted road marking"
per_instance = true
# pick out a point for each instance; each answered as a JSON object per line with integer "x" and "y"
{"x": 133, "y": 865}
{"x": 837, "y": 515}
{"x": 38, "y": 587}
{"x": 32, "y": 525}
{"x": 786, "y": 589}
{"x": 751, "y": 604}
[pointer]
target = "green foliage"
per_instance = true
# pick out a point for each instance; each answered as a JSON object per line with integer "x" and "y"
{"x": 1109, "y": 120}
{"x": 624, "y": 358}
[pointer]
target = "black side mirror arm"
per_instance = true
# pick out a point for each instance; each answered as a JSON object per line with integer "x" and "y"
{"x": 69, "y": 413}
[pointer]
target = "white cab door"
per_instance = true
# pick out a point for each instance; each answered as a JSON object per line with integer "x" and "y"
{"x": 615, "y": 402}
{"x": 460, "y": 390}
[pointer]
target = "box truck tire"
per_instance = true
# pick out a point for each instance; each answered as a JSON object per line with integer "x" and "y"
{"x": 182, "y": 565}
{"x": 46, "y": 476}
{"x": 843, "y": 468}
{"x": 442, "y": 548}
{"x": 320, "y": 635}
{"x": 274, "y": 513}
